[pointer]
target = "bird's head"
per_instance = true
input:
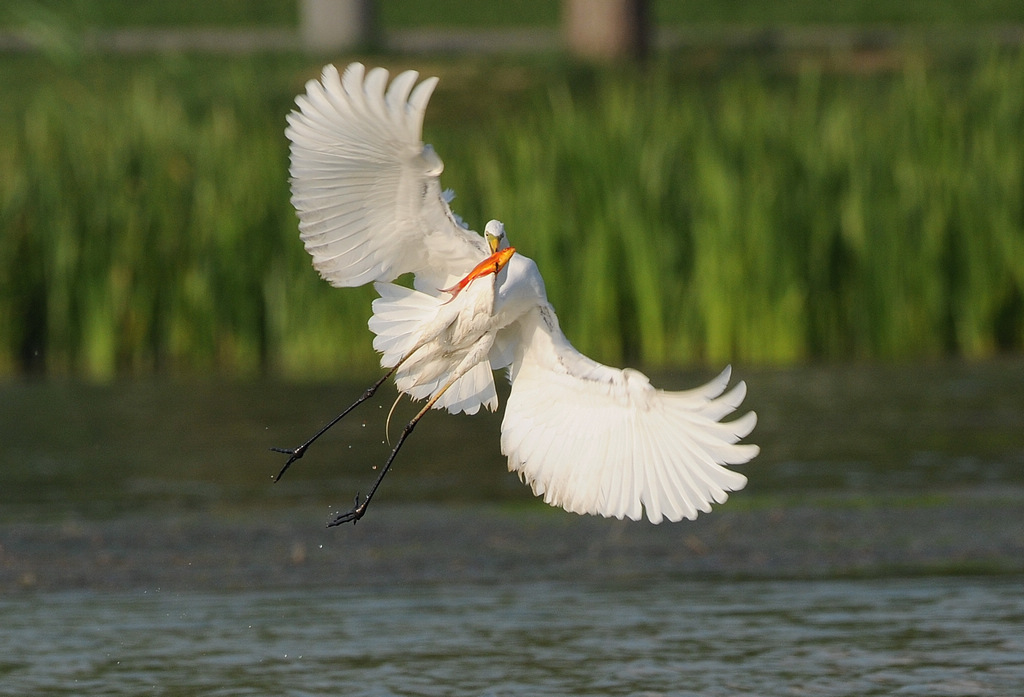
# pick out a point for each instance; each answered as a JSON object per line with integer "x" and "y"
{"x": 494, "y": 233}
{"x": 501, "y": 252}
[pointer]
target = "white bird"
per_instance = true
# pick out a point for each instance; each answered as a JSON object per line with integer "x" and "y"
{"x": 586, "y": 437}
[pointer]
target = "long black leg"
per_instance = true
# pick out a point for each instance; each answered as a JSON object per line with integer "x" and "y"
{"x": 359, "y": 510}
{"x": 298, "y": 452}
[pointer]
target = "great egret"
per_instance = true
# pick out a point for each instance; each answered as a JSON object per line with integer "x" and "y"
{"x": 586, "y": 437}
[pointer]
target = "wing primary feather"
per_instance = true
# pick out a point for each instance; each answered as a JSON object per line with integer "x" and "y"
{"x": 418, "y": 101}
{"x": 677, "y": 501}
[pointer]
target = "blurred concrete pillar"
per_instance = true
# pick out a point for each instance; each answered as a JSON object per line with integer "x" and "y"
{"x": 606, "y": 29}
{"x": 336, "y": 25}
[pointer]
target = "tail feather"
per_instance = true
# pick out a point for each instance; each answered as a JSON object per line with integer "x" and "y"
{"x": 399, "y": 317}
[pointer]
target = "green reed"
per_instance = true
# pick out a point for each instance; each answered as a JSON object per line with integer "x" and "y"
{"x": 142, "y": 235}
{"x": 773, "y": 220}
{"x": 746, "y": 217}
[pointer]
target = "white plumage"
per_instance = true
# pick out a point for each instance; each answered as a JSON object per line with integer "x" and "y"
{"x": 586, "y": 437}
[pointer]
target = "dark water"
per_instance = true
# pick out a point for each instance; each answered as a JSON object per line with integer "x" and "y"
{"x": 878, "y": 549}
{"x": 73, "y": 449}
{"x": 932, "y": 636}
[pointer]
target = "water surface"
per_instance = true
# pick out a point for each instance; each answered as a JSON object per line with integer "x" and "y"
{"x": 878, "y": 549}
{"x": 893, "y": 636}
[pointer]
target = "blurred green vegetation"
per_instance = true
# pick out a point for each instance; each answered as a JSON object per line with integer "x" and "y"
{"x": 677, "y": 215}
{"x": 397, "y": 14}
{"x": 772, "y": 219}
{"x": 150, "y": 13}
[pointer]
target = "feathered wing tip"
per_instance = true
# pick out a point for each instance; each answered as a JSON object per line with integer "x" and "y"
{"x": 359, "y": 104}
{"x": 399, "y": 315}
{"x": 365, "y": 186}
{"x": 594, "y": 439}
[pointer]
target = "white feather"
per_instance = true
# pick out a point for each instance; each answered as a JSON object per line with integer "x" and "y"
{"x": 594, "y": 439}
{"x": 405, "y": 319}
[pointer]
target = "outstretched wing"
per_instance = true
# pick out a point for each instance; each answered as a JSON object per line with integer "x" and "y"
{"x": 366, "y": 188}
{"x": 594, "y": 439}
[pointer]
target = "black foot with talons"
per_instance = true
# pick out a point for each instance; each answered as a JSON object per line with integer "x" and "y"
{"x": 353, "y": 516}
{"x": 295, "y": 454}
